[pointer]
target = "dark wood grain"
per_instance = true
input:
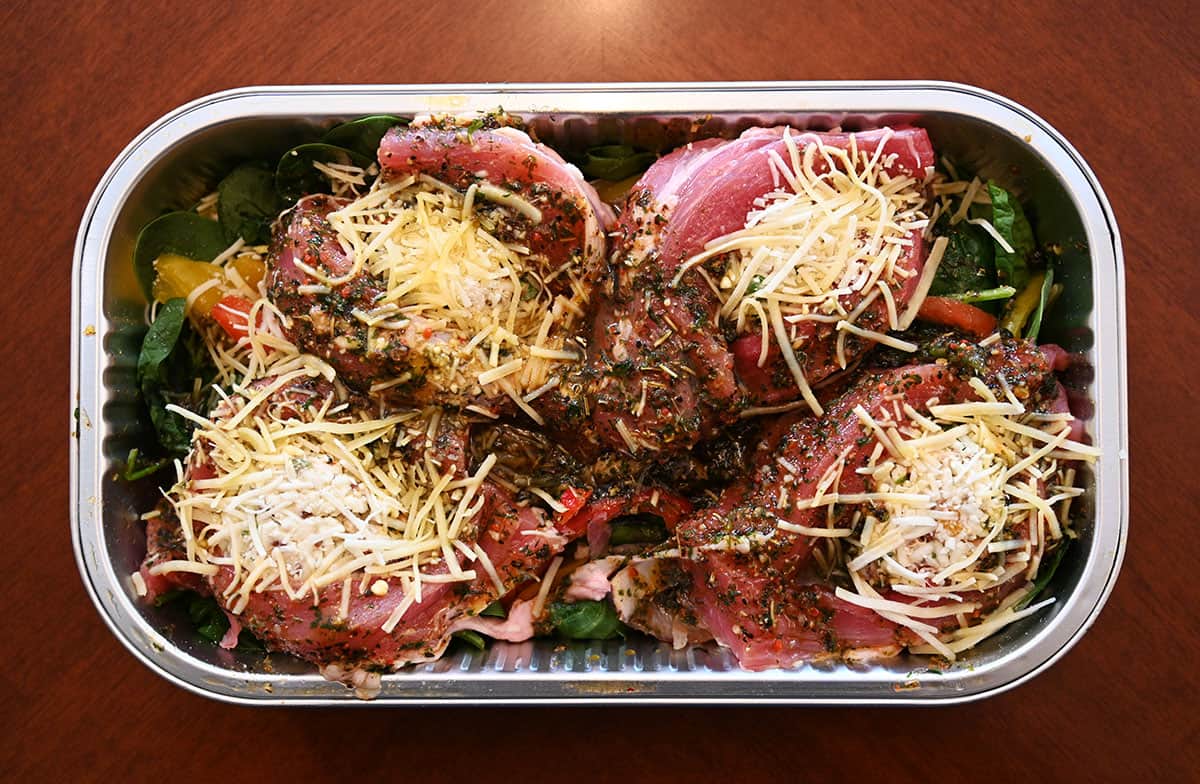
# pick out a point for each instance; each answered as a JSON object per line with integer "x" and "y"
{"x": 1120, "y": 80}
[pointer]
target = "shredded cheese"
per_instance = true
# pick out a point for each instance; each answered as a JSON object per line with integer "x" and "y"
{"x": 299, "y": 493}
{"x": 955, "y": 503}
{"x": 473, "y": 308}
{"x": 834, "y": 229}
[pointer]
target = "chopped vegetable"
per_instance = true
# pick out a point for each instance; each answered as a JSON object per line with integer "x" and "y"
{"x": 247, "y": 204}
{"x": 637, "y": 530}
{"x": 211, "y": 624}
{"x": 585, "y": 620}
{"x": 1023, "y": 305}
{"x": 958, "y": 314}
{"x": 362, "y": 136}
{"x": 206, "y": 615}
{"x": 166, "y": 597}
{"x": 233, "y": 314}
{"x": 1044, "y": 296}
{"x": 1045, "y": 575}
{"x": 968, "y": 263}
{"x": 472, "y": 638}
{"x": 987, "y": 295}
{"x": 135, "y": 469}
{"x": 171, "y": 359}
{"x": 295, "y": 176}
{"x": 183, "y": 233}
{"x": 494, "y": 610}
{"x": 1012, "y": 268}
{"x": 615, "y": 162}
{"x": 613, "y": 192}
{"x": 250, "y": 269}
{"x": 177, "y": 277}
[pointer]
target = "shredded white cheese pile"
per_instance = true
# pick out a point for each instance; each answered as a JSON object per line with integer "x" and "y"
{"x": 836, "y": 225}
{"x": 960, "y": 501}
{"x": 480, "y": 309}
{"x": 305, "y": 497}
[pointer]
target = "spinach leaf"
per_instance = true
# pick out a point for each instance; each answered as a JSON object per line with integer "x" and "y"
{"x": 362, "y": 135}
{"x": 615, "y": 162}
{"x": 166, "y": 597}
{"x": 472, "y": 638}
{"x": 494, "y": 610}
{"x": 174, "y": 432}
{"x": 1010, "y": 222}
{"x": 969, "y": 262}
{"x": 637, "y": 530}
{"x": 207, "y": 618}
{"x": 247, "y": 203}
{"x": 185, "y": 233}
{"x": 1045, "y": 575}
{"x": 211, "y": 623}
{"x": 295, "y": 176}
{"x": 172, "y": 357}
{"x": 586, "y": 620}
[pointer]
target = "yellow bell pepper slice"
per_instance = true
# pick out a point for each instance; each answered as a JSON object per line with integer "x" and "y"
{"x": 1023, "y": 305}
{"x": 178, "y": 276}
{"x": 250, "y": 269}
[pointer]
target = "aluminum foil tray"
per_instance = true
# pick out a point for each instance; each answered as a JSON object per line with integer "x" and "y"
{"x": 181, "y": 156}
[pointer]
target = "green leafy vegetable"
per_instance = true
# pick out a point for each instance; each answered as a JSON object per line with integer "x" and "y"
{"x": 585, "y": 620}
{"x": 247, "y": 203}
{"x": 185, "y": 233}
{"x": 472, "y": 638}
{"x": 1045, "y": 575}
{"x": 295, "y": 176}
{"x": 968, "y": 264}
{"x": 615, "y": 162}
{"x": 136, "y": 468}
{"x": 637, "y": 530}
{"x": 362, "y": 135}
{"x": 987, "y": 295}
{"x": 494, "y": 610}
{"x": 474, "y": 126}
{"x": 211, "y": 623}
{"x": 172, "y": 357}
{"x": 1010, "y": 223}
{"x": 166, "y": 597}
{"x": 206, "y": 616}
{"x": 174, "y": 432}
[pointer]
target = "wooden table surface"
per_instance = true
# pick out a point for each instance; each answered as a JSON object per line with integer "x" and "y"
{"x": 1121, "y": 82}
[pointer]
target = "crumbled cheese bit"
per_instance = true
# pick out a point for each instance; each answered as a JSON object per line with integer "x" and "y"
{"x": 299, "y": 503}
{"x": 957, "y": 502}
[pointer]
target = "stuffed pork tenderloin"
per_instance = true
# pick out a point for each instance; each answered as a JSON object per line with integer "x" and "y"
{"x": 460, "y": 277}
{"x": 335, "y": 502}
{"x": 340, "y": 531}
{"x": 747, "y": 272}
{"x": 920, "y": 513}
